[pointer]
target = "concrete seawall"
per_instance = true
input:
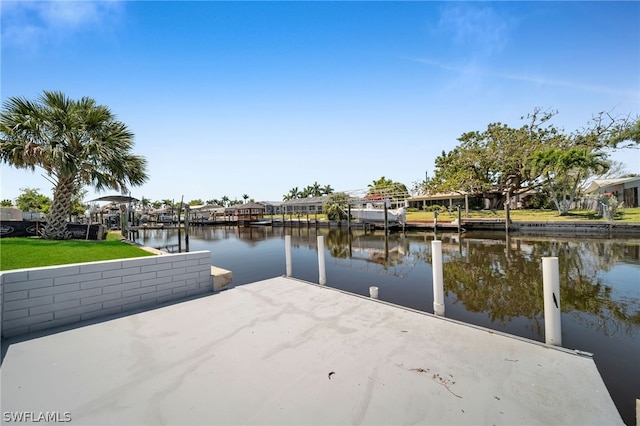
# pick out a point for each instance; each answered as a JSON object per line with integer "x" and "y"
{"x": 575, "y": 227}
{"x": 35, "y": 299}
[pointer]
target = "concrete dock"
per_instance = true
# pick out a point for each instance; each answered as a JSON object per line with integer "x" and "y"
{"x": 283, "y": 351}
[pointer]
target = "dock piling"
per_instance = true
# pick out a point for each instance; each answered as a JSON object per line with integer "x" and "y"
{"x": 287, "y": 253}
{"x": 373, "y": 292}
{"x": 322, "y": 279}
{"x": 551, "y": 294}
{"x": 438, "y": 282}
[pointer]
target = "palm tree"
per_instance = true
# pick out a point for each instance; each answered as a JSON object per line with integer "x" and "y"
{"x": 245, "y": 197}
{"x": 294, "y": 193}
{"x": 225, "y": 201}
{"x": 76, "y": 142}
{"x": 336, "y": 206}
{"x": 145, "y": 203}
{"x": 326, "y": 190}
{"x": 564, "y": 171}
{"x": 315, "y": 189}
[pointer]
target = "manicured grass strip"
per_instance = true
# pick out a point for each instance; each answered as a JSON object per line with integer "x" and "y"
{"x": 17, "y": 253}
{"x": 624, "y": 215}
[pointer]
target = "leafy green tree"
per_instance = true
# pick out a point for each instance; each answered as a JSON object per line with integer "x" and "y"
{"x": 156, "y": 204}
{"x": 6, "y": 203}
{"x": 495, "y": 163}
{"x": 76, "y": 142}
{"x": 503, "y": 161}
{"x": 31, "y": 200}
{"x": 387, "y": 188}
{"x": 565, "y": 170}
{"x": 615, "y": 132}
{"x": 336, "y": 206}
{"x": 78, "y": 207}
{"x": 196, "y": 202}
{"x": 327, "y": 189}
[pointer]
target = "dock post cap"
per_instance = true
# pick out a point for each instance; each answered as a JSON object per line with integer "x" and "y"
{"x": 373, "y": 292}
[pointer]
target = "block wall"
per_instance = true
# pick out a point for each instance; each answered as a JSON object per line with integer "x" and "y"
{"x": 39, "y": 298}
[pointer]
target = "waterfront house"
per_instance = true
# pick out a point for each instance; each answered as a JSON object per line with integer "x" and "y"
{"x": 624, "y": 189}
{"x": 246, "y": 212}
{"x": 446, "y": 199}
{"x": 272, "y": 207}
{"x": 206, "y": 212}
{"x": 306, "y": 205}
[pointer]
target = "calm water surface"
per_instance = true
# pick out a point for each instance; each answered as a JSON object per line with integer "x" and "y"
{"x": 490, "y": 280}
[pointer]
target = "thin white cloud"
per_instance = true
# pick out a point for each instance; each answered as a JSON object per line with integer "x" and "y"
{"x": 537, "y": 80}
{"x": 29, "y": 24}
{"x": 478, "y": 27}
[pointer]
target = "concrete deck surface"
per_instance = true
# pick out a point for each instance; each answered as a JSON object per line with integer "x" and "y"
{"x": 282, "y": 351}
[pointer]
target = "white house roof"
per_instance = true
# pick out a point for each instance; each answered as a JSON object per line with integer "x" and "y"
{"x": 305, "y": 201}
{"x": 603, "y": 183}
{"x": 439, "y": 196}
{"x": 205, "y": 207}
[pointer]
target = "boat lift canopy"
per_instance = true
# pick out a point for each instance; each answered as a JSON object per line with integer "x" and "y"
{"x": 116, "y": 199}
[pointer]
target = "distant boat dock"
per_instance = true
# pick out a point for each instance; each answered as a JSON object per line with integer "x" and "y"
{"x": 486, "y": 224}
{"x": 283, "y": 351}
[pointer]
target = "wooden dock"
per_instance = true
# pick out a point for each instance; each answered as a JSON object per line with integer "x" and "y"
{"x": 283, "y": 351}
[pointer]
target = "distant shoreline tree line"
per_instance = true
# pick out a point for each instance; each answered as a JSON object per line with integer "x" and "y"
{"x": 80, "y": 143}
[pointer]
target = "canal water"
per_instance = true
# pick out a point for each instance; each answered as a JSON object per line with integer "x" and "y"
{"x": 490, "y": 279}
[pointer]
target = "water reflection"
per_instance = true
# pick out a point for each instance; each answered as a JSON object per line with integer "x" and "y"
{"x": 503, "y": 279}
{"x": 497, "y": 276}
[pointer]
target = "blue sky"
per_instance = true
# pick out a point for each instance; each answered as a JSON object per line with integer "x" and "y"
{"x": 228, "y": 98}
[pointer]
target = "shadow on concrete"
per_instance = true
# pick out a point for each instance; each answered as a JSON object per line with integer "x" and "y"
{"x": 7, "y": 342}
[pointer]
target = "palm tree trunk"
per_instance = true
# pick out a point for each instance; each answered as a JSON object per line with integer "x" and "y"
{"x": 56, "y": 228}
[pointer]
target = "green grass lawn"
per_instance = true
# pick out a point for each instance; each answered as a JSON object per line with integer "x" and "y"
{"x": 624, "y": 215}
{"x": 17, "y": 253}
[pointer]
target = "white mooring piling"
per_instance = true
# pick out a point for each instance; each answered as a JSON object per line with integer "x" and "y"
{"x": 322, "y": 272}
{"x": 373, "y": 292}
{"x": 287, "y": 253}
{"x": 438, "y": 281}
{"x": 551, "y": 295}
